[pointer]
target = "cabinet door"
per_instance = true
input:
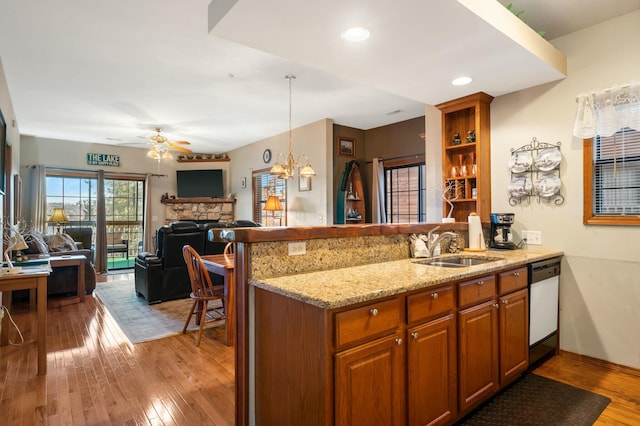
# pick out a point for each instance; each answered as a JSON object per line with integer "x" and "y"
{"x": 370, "y": 383}
{"x": 431, "y": 349}
{"x": 478, "y": 353}
{"x": 514, "y": 338}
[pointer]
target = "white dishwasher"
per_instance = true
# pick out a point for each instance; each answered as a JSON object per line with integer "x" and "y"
{"x": 544, "y": 282}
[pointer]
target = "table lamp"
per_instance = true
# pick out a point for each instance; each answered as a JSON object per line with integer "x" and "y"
{"x": 15, "y": 242}
{"x": 273, "y": 205}
{"x": 58, "y": 216}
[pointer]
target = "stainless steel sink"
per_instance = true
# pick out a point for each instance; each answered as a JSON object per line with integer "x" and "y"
{"x": 457, "y": 261}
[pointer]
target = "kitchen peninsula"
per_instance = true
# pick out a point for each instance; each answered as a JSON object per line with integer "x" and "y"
{"x": 333, "y": 332}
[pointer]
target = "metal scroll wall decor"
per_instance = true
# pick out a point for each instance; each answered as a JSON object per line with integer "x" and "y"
{"x": 535, "y": 173}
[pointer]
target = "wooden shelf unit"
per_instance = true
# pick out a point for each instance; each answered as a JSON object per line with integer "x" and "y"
{"x": 354, "y": 195}
{"x": 460, "y": 116}
{"x": 202, "y": 160}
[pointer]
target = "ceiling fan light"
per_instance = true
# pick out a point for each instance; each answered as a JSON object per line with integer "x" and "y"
{"x": 153, "y": 154}
{"x": 167, "y": 156}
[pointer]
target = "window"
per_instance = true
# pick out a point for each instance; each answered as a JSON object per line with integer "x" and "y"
{"x": 76, "y": 193}
{"x": 612, "y": 179}
{"x": 405, "y": 192}
{"x": 265, "y": 184}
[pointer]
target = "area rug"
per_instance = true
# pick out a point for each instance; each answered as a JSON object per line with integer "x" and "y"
{"x": 536, "y": 400}
{"x": 139, "y": 321}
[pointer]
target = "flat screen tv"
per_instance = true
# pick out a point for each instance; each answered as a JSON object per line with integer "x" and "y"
{"x": 200, "y": 183}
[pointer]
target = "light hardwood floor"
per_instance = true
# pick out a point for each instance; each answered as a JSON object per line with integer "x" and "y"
{"x": 96, "y": 377}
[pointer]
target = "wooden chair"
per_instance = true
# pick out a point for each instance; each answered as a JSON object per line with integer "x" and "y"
{"x": 230, "y": 248}
{"x": 202, "y": 292}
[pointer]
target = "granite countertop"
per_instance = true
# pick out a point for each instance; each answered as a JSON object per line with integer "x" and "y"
{"x": 346, "y": 286}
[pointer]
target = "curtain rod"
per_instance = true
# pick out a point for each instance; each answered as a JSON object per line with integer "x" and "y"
{"x": 62, "y": 169}
{"x": 404, "y": 157}
{"x": 594, "y": 93}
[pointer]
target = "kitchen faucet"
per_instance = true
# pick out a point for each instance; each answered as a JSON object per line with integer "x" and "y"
{"x": 431, "y": 245}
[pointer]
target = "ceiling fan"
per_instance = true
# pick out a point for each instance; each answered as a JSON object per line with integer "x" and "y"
{"x": 161, "y": 146}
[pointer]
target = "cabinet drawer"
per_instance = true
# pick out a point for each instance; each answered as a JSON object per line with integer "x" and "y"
{"x": 476, "y": 291}
{"x": 515, "y": 279}
{"x": 430, "y": 303}
{"x": 366, "y": 321}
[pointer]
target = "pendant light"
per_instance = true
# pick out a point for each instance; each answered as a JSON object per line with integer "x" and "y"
{"x": 285, "y": 169}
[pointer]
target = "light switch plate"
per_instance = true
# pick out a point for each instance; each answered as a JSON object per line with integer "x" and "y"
{"x": 533, "y": 237}
{"x": 297, "y": 248}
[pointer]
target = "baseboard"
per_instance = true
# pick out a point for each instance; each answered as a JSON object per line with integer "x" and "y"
{"x": 601, "y": 363}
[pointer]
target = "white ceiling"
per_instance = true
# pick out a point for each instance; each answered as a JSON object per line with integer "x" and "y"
{"x": 109, "y": 72}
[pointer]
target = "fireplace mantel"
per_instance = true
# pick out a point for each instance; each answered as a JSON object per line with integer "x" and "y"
{"x": 199, "y": 209}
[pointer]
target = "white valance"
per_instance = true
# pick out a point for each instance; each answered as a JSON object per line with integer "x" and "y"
{"x": 606, "y": 112}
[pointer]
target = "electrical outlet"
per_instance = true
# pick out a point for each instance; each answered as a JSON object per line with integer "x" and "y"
{"x": 297, "y": 248}
{"x": 533, "y": 237}
{"x": 1, "y": 312}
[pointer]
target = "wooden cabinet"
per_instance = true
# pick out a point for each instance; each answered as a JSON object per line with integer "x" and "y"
{"x": 425, "y": 358}
{"x": 513, "y": 324}
{"x": 477, "y": 354}
{"x": 370, "y": 378}
{"x": 431, "y": 368}
{"x": 431, "y": 357}
{"x": 370, "y": 383}
{"x": 466, "y": 156}
{"x": 514, "y": 336}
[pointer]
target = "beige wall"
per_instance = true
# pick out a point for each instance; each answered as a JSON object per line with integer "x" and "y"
{"x": 66, "y": 154}
{"x": 306, "y": 208}
{"x": 13, "y": 132}
{"x": 600, "y": 283}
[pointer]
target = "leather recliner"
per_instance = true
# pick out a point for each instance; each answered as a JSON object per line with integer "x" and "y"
{"x": 163, "y": 275}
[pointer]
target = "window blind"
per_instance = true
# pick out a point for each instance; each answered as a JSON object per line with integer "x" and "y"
{"x": 616, "y": 173}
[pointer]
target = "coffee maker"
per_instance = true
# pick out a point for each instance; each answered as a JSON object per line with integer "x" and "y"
{"x": 501, "y": 237}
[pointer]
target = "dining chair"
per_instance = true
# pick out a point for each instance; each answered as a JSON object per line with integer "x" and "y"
{"x": 230, "y": 248}
{"x": 202, "y": 292}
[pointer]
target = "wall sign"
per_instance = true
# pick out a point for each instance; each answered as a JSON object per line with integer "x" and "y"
{"x": 103, "y": 159}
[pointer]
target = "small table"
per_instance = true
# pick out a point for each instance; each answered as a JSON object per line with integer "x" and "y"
{"x": 28, "y": 280}
{"x": 223, "y": 265}
{"x": 75, "y": 260}
{"x": 71, "y": 260}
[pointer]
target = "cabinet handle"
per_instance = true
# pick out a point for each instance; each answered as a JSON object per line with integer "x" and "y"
{"x": 480, "y": 283}
{"x": 505, "y": 301}
{"x": 516, "y": 274}
{"x": 495, "y": 305}
{"x": 399, "y": 341}
{"x": 434, "y": 295}
{"x": 414, "y": 335}
{"x": 373, "y": 312}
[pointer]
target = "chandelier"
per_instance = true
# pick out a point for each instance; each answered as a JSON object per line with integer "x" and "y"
{"x": 159, "y": 152}
{"x": 285, "y": 169}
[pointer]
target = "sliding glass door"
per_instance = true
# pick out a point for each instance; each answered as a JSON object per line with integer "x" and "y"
{"x": 76, "y": 193}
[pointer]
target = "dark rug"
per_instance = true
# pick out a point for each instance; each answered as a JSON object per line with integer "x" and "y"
{"x": 536, "y": 400}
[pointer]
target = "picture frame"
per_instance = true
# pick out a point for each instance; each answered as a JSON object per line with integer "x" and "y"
{"x": 346, "y": 146}
{"x": 304, "y": 183}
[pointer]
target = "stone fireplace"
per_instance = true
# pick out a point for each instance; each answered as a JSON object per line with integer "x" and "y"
{"x": 199, "y": 209}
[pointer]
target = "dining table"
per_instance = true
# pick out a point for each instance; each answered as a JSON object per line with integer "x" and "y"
{"x": 223, "y": 265}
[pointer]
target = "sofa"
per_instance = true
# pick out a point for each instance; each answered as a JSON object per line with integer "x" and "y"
{"x": 163, "y": 275}
{"x": 61, "y": 282}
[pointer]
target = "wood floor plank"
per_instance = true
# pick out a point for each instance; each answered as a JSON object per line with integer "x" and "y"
{"x": 97, "y": 377}
{"x": 622, "y": 387}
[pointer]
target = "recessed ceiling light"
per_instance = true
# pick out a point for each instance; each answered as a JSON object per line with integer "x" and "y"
{"x": 355, "y": 34}
{"x": 461, "y": 81}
